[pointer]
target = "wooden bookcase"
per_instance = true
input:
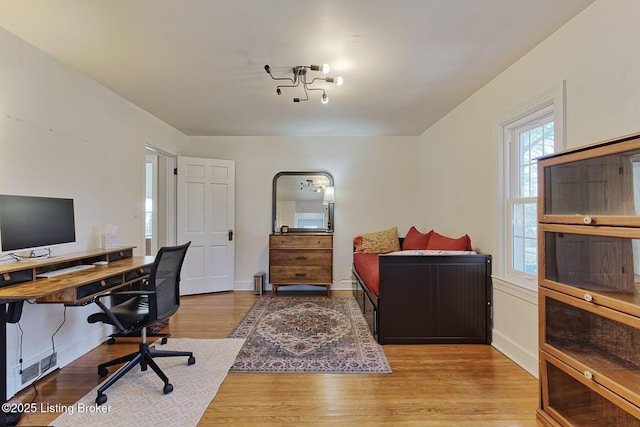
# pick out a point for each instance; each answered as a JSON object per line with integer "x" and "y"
{"x": 589, "y": 285}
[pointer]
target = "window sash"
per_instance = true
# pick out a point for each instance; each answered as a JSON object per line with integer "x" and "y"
{"x": 523, "y": 236}
{"x": 529, "y": 138}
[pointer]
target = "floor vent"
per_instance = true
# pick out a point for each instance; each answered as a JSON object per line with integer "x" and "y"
{"x": 30, "y": 372}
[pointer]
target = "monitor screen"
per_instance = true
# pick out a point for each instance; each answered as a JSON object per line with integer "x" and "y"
{"x": 33, "y": 222}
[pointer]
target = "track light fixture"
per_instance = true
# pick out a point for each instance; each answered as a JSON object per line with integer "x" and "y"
{"x": 300, "y": 78}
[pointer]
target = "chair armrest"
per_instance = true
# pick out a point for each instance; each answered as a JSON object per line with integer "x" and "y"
{"x": 115, "y": 293}
{"x": 132, "y": 293}
{"x": 108, "y": 312}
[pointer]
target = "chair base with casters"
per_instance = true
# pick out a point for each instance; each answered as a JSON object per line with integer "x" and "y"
{"x": 139, "y": 311}
{"x": 143, "y": 357}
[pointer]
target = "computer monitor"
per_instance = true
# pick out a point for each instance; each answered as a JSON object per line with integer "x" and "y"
{"x": 33, "y": 222}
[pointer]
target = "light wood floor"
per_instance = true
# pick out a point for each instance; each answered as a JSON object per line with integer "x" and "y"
{"x": 431, "y": 385}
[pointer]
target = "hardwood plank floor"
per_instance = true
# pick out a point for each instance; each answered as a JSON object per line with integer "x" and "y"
{"x": 431, "y": 385}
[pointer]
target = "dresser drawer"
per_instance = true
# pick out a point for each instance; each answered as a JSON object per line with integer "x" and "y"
{"x": 14, "y": 277}
{"x": 114, "y": 256}
{"x": 301, "y": 257}
{"x": 311, "y": 241}
{"x": 300, "y": 275}
{"x": 98, "y": 287}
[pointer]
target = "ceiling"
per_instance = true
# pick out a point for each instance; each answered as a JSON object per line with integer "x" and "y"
{"x": 198, "y": 65}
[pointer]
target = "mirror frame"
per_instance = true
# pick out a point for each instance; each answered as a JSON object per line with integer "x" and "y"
{"x": 274, "y": 200}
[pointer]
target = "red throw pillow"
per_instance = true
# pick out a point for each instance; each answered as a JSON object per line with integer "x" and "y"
{"x": 415, "y": 239}
{"x": 438, "y": 241}
{"x": 357, "y": 243}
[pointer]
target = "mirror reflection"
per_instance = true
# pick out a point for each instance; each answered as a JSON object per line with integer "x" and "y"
{"x": 303, "y": 201}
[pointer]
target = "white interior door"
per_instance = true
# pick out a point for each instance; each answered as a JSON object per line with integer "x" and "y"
{"x": 206, "y": 211}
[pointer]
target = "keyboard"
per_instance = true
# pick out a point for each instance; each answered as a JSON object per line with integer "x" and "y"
{"x": 67, "y": 270}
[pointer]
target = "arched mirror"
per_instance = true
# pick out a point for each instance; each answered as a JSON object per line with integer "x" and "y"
{"x": 303, "y": 202}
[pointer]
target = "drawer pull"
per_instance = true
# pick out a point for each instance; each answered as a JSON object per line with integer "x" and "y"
{"x": 301, "y": 257}
{"x": 587, "y": 220}
{"x": 301, "y": 274}
{"x": 588, "y": 297}
{"x": 588, "y": 375}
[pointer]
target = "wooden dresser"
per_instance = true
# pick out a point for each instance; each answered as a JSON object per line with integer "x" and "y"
{"x": 300, "y": 259}
{"x": 589, "y": 285}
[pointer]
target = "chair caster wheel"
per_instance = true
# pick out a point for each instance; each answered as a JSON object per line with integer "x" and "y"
{"x": 101, "y": 399}
{"x": 191, "y": 361}
{"x": 111, "y": 341}
{"x": 163, "y": 341}
{"x": 168, "y": 388}
{"x": 102, "y": 372}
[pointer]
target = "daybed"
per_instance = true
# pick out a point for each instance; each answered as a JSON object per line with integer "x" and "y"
{"x": 423, "y": 295}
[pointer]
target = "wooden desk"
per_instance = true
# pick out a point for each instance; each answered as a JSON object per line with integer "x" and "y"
{"x": 18, "y": 282}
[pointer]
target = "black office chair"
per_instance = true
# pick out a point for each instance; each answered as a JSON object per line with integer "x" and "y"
{"x": 159, "y": 300}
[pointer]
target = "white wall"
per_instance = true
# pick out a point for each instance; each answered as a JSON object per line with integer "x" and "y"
{"x": 596, "y": 54}
{"x": 375, "y": 189}
{"x": 63, "y": 135}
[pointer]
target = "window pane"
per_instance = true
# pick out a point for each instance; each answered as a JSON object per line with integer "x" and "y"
{"x": 517, "y": 254}
{"x": 531, "y": 256}
{"x": 524, "y": 148}
{"x": 536, "y": 142}
{"x": 524, "y": 187}
{"x": 517, "y": 215}
{"x": 534, "y": 180}
{"x": 549, "y": 138}
{"x": 530, "y": 221}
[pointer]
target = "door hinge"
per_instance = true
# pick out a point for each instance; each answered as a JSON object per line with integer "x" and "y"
{"x": 175, "y": 171}
{"x": 230, "y": 235}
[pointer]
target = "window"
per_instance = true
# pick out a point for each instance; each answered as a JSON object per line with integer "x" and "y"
{"x": 528, "y": 142}
{"x": 535, "y": 132}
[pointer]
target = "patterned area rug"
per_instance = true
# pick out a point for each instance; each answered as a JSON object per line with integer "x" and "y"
{"x": 307, "y": 334}
{"x": 137, "y": 399}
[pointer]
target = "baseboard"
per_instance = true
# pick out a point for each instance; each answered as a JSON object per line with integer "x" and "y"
{"x": 342, "y": 285}
{"x": 65, "y": 354}
{"x": 525, "y": 359}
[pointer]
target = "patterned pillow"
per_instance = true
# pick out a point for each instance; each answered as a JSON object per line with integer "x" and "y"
{"x": 381, "y": 242}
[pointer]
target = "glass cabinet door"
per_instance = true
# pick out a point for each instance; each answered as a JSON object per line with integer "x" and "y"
{"x": 568, "y": 397}
{"x": 602, "y": 347}
{"x": 602, "y": 190}
{"x": 597, "y": 264}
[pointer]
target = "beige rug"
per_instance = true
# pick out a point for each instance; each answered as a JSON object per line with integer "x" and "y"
{"x": 137, "y": 398}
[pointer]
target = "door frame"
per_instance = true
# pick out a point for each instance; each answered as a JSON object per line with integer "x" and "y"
{"x": 165, "y": 231}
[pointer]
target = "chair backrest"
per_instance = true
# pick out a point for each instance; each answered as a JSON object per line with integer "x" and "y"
{"x": 164, "y": 279}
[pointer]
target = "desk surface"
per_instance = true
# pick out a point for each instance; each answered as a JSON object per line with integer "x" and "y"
{"x": 40, "y": 288}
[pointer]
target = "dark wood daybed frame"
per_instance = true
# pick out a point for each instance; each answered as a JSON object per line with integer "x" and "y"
{"x": 434, "y": 299}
